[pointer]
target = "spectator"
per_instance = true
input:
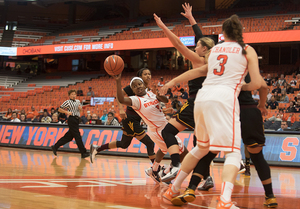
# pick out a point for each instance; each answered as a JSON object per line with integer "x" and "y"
{"x": 8, "y": 68}
{"x": 255, "y": 96}
{"x": 161, "y": 82}
{"x": 284, "y": 98}
{"x": 62, "y": 117}
{"x": 279, "y": 116}
{"x": 94, "y": 120}
{"x": 79, "y": 92}
{"x": 176, "y": 104}
{"x": 90, "y": 92}
{"x": 176, "y": 88}
{"x": 89, "y": 119}
{"x": 284, "y": 126}
{"x": 269, "y": 95}
{"x": 169, "y": 94}
{"x": 184, "y": 94}
{"x": 22, "y": 112}
{"x": 14, "y": 117}
{"x": 298, "y": 81}
{"x": 277, "y": 89}
{"x": 32, "y": 114}
{"x": 268, "y": 80}
{"x": 276, "y": 96}
{"x": 27, "y": 70}
{"x": 8, "y": 114}
{"x": 53, "y": 110}
{"x": 104, "y": 116}
{"x": 117, "y": 116}
{"x": 281, "y": 80}
{"x": 291, "y": 108}
{"x": 297, "y": 106}
{"x": 273, "y": 104}
{"x": 23, "y": 118}
{"x": 289, "y": 117}
{"x": 293, "y": 82}
{"x": 289, "y": 89}
{"x": 111, "y": 120}
{"x": 46, "y": 118}
{"x": 297, "y": 98}
{"x": 40, "y": 116}
{"x": 274, "y": 81}
{"x": 54, "y": 118}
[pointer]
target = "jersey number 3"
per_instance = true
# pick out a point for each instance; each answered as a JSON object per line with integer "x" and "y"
{"x": 223, "y": 59}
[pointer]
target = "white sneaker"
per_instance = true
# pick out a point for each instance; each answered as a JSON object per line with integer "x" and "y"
{"x": 171, "y": 175}
{"x": 93, "y": 152}
{"x": 153, "y": 174}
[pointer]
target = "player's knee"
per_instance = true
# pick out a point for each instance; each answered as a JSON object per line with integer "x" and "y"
{"x": 149, "y": 144}
{"x": 233, "y": 158}
{"x": 168, "y": 134}
{"x": 125, "y": 142}
{"x": 198, "y": 152}
{"x": 256, "y": 156}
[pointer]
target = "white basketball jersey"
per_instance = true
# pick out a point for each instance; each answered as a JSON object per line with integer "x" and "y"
{"x": 227, "y": 66}
{"x": 149, "y": 108}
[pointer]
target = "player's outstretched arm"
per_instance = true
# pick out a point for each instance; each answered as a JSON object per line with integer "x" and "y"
{"x": 120, "y": 96}
{"x": 188, "y": 75}
{"x": 160, "y": 97}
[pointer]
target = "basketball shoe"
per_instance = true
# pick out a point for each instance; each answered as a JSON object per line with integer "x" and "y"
{"x": 225, "y": 205}
{"x": 206, "y": 184}
{"x": 171, "y": 175}
{"x": 271, "y": 202}
{"x": 93, "y": 152}
{"x": 242, "y": 168}
{"x": 187, "y": 196}
{"x": 154, "y": 174}
{"x": 170, "y": 193}
{"x": 247, "y": 171}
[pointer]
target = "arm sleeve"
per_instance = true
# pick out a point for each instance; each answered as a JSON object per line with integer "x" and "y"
{"x": 197, "y": 31}
{"x": 135, "y": 102}
{"x": 65, "y": 105}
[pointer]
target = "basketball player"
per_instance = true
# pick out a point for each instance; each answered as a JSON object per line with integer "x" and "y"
{"x": 217, "y": 108}
{"x": 131, "y": 125}
{"x": 74, "y": 108}
{"x": 184, "y": 118}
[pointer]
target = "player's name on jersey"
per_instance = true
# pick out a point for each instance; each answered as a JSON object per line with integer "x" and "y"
{"x": 234, "y": 50}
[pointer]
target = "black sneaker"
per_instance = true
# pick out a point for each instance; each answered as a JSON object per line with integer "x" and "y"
{"x": 247, "y": 171}
{"x": 84, "y": 155}
{"x": 54, "y": 150}
{"x": 153, "y": 174}
{"x": 242, "y": 168}
{"x": 209, "y": 183}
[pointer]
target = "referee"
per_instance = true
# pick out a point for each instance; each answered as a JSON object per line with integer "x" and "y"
{"x": 73, "y": 107}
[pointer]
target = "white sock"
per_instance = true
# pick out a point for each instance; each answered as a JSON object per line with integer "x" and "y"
{"x": 227, "y": 188}
{"x": 179, "y": 179}
{"x": 155, "y": 166}
{"x": 167, "y": 170}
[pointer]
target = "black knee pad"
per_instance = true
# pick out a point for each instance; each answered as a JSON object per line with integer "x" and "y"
{"x": 261, "y": 166}
{"x": 203, "y": 165}
{"x": 169, "y": 133}
{"x": 149, "y": 144}
{"x": 195, "y": 141}
{"x": 125, "y": 142}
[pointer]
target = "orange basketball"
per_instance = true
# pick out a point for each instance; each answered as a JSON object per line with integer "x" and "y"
{"x": 113, "y": 65}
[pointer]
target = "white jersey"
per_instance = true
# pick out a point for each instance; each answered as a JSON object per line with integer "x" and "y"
{"x": 227, "y": 66}
{"x": 149, "y": 108}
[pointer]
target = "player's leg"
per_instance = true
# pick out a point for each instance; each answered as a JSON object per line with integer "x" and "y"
{"x": 146, "y": 140}
{"x": 247, "y": 162}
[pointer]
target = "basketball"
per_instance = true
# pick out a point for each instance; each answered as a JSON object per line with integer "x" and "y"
{"x": 113, "y": 65}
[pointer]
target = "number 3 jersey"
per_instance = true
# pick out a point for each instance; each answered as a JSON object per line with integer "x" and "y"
{"x": 149, "y": 108}
{"x": 227, "y": 66}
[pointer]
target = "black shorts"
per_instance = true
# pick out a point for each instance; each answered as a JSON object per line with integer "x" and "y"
{"x": 132, "y": 125}
{"x": 252, "y": 126}
{"x": 185, "y": 115}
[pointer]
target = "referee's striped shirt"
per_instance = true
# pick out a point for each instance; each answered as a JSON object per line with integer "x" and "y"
{"x": 72, "y": 106}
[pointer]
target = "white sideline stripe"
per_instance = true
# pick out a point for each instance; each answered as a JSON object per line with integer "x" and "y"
{"x": 123, "y": 207}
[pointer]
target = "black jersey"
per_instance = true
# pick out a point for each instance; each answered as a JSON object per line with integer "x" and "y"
{"x": 245, "y": 97}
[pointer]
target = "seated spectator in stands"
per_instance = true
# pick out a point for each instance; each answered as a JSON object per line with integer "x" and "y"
{"x": 79, "y": 92}
{"x": 14, "y": 117}
{"x": 117, "y": 116}
{"x": 176, "y": 104}
{"x": 95, "y": 120}
{"x": 53, "y": 111}
{"x": 269, "y": 95}
{"x": 293, "y": 82}
{"x": 276, "y": 96}
{"x": 279, "y": 116}
{"x": 89, "y": 119}
{"x": 277, "y": 89}
{"x": 298, "y": 81}
{"x": 104, "y": 116}
{"x": 161, "y": 82}
{"x": 8, "y": 68}
{"x": 284, "y": 126}
{"x": 27, "y": 70}
{"x": 297, "y": 106}
{"x": 62, "y": 117}
{"x": 176, "y": 88}
{"x": 90, "y": 92}
{"x": 184, "y": 94}
{"x": 22, "y": 112}
{"x": 23, "y": 118}
{"x": 111, "y": 120}
{"x": 289, "y": 89}
{"x": 84, "y": 119}
{"x": 8, "y": 114}
{"x": 273, "y": 104}
{"x": 32, "y": 114}
{"x": 255, "y": 96}
{"x": 289, "y": 117}
{"x": 284, "y": 98}
{"x": 54, "y": 118}
{"x": 169, "y": 94}
{"x": 291, "y": 108}
{"x": 274, "y": 81}
{"x": 297, "y": 98}
{"x": 268, "y": 80}
{"x": 18, "y": 69}
{"x": 46, "y": 118}
{"x": 281, "y": 80}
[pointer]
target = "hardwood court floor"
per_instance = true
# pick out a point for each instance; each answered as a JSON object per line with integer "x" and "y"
{"x": 37, "y": 179}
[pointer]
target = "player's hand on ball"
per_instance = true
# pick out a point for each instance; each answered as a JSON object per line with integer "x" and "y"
{"x": 117, "y": 77}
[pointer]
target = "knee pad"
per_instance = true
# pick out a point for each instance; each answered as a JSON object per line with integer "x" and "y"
{"x": 198, "y": 152}
{"x": 233, "y": 158}
{"x": 168, "y": 134}
{"x": 261, "y": 165}
{"x": 202, "y": 167}
{"x": 195, "y": 141}
{"x": 125, "y": 142}
{"x": 149, "y": 144}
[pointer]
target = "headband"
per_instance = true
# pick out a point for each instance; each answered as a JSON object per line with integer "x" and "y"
{"x": 135, "y": 78}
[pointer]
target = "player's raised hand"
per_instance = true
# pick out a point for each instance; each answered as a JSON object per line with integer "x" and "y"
{"x": 187, "y": 11}
{"x": 158, "y": 21}
{"x": 117, "y": 77}
{"x": 165, "y": 88}
{"x": 154, "y": 89}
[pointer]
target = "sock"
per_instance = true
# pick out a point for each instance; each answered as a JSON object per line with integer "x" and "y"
{"x": 167, "y": 170}
{"x": 268, "y": 190}
{"x": 247, "y": 161}
{"x": 103, "y": 147}
{"x": 194, "y": 182}
{"x": 179, "y": 179}
{"x": 155, "y": 166}
{"x": 175, "y": 158}
{"x": 227, "y": 188}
